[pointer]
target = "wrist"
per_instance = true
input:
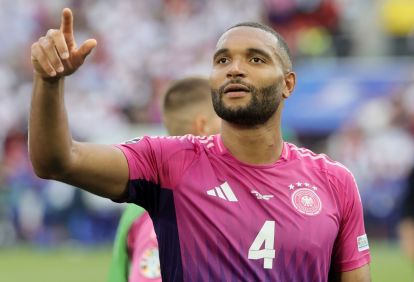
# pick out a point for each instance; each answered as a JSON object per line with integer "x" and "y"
{"x": 51, "y": 81}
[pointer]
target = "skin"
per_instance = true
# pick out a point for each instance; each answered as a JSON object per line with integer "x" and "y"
{"x": 197, "y": 119}
{"x": 100, "y": 169}
{"x": 249, "y": 54}
{"x": 204, "y": 124}
{"x": 260, "y": 144}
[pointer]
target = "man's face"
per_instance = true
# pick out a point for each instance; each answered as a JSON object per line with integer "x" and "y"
{"x": 247, "y": 78}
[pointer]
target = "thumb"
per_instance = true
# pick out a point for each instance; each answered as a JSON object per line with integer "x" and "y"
{"x": 86, "y": 48}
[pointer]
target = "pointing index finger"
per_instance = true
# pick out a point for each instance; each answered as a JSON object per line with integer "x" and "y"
{"x": 66, "y": 27}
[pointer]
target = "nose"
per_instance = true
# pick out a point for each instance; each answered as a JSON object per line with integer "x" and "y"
{"x": 236, "y": 70}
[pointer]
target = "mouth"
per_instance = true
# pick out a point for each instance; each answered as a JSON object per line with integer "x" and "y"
{"x": 236, "y": 90}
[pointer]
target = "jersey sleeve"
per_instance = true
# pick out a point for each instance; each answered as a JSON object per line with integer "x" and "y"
{"x": 351, "y": 248}
{"x": 155, "y": 164}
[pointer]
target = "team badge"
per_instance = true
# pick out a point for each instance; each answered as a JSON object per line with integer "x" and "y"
{"x": 304, "y": 198}
{"x": 150, "y": 264}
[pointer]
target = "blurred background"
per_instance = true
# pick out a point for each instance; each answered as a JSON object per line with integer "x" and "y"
{"x": 354, "y": 101}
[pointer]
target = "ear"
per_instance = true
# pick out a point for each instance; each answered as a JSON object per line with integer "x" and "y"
{"x": 290, "y": 82}
{"x": 200, "y": 125}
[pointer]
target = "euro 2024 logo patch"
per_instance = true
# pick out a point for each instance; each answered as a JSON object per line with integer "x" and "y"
{"x": 304, "y": 198}
{"x": 150, "y": 264}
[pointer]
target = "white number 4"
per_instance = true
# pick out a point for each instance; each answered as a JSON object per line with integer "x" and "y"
{"x": 266, "y": 235}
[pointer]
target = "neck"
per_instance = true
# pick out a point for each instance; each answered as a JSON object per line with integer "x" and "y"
{"x": 261, "y": 144}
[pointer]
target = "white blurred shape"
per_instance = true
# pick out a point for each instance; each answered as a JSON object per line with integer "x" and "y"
{"x": 30, "y": 213}
{"x": 99, "y": 204}
{"x": 59, "y": 195}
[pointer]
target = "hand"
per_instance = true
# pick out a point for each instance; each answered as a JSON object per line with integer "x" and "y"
{"x": 56, "y": 54}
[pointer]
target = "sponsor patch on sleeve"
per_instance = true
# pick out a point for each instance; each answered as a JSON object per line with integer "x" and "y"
{"x": 362, "y": 242}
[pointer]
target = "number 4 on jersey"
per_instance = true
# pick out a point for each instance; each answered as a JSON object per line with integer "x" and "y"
{"x": 266, "y": 235}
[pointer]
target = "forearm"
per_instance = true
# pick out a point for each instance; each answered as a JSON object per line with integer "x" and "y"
{"x": 100, "y": 169}
{"x": 50, "y": 140}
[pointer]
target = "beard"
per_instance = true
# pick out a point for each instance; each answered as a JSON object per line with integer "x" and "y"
{"x": 263, "y": 104}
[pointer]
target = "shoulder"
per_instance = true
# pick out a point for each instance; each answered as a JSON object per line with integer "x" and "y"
{"x": 189, "y": 142}
{"x": 185, "y": 141}
{"x": 162, "y": 144}
{"x": 337, "y": 176}
{"x": 317, "y": 161}
{"x": 169, "y": 150}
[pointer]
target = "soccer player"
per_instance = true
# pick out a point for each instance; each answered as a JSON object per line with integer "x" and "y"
{"x": 187, "y": 109}
{"x": 242, "y": 205}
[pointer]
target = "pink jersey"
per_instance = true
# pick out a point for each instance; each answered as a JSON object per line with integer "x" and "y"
{"x": 143, "y": 249}
{"x": 219, "y": 219}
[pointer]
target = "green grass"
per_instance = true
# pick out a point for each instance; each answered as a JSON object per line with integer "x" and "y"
{"x": 388, "y": 264}
{"x": 69, "y": 264}
{"x": 63, "y": 264}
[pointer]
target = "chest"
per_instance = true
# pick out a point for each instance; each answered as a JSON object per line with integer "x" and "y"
{"x": 291, "y": 205}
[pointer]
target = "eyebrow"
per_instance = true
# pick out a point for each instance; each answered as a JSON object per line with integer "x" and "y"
{"x": 220, "y": 52}
{"x": 265, "y": 54}
{"x": 268, "y": 56}
{"x": 250, "y": 51}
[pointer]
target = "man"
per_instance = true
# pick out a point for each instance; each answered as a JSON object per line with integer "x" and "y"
{"x": 406, "y": 224}
{"x": 239, "y": 206}
{"x": 187, "y": 109}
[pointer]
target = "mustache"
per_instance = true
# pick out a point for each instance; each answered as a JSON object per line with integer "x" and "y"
{"x": 252, "y": 89}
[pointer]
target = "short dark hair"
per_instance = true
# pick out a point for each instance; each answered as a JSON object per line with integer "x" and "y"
{"x": 286, "y": 55}
{"x": 186, "y": 92}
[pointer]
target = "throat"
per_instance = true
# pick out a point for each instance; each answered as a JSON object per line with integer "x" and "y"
{"x": 258, "y": 147}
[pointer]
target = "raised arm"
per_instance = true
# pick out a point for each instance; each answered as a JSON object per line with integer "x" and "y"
{"x": 100, "y": 169}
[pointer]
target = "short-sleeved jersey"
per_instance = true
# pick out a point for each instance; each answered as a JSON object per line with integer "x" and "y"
{"x": 219, "y": 219}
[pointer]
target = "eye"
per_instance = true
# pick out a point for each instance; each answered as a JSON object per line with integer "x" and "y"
{"x": 222, "y": 60}
{"x": 257, "y": 60}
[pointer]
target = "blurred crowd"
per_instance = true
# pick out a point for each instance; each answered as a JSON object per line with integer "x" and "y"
{"x": 143, "y": 45}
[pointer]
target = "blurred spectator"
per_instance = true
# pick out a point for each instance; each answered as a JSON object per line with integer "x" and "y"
{"x": 406, "y": 225}
{"x": 398, "y": 22}
{"x": 24, "y": 188}
{"x": 371, "y": 145}
{"x": 310, "y": 27}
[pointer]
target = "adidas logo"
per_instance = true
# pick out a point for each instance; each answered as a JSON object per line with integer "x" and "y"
{"x": 223, "y": 191}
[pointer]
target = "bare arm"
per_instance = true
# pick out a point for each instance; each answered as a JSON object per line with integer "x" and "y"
{"x": 100, "y": 169}
{"x": 361, "y": 274}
